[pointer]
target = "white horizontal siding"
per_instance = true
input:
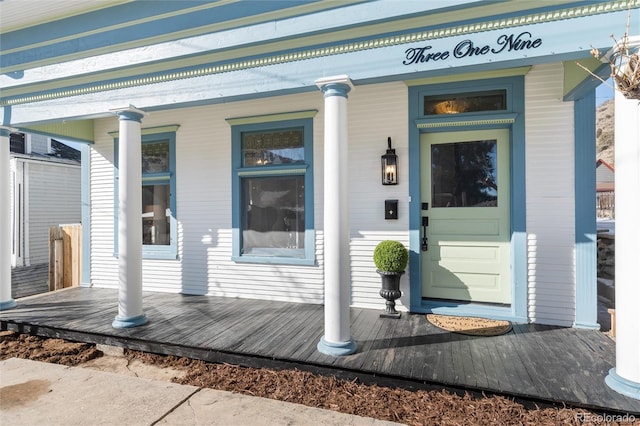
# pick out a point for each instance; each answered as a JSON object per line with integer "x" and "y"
{"x": 104, "y": 268}
{"x": 53, "y": 192}
{"x": 550, "y": 197}
{"x": 375, "y": 113}
{"x": 203, "y": 177}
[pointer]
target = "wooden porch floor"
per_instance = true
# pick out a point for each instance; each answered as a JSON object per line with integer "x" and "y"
{"x": 534, "y": 362}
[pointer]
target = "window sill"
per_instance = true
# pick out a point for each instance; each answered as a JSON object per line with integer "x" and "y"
{"x": 157, "y": 255}
{"x": 160, "y": 255}
{"x": 273, "y": 260}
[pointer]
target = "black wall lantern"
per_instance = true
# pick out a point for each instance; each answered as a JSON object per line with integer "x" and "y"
{"x": 390, "y": 166}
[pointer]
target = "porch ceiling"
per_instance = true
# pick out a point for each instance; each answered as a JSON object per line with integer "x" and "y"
{"x": 17, "y": 15}
{"x": 53, "y": 64}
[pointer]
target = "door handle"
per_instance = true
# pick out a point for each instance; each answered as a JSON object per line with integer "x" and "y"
{"x": 425, "y": 241}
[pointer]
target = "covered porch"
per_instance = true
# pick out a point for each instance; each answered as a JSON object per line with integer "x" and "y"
{"x": 534, "y": 362}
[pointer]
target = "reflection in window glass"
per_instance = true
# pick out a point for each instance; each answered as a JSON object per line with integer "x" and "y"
{"x": 494, "y": 100}
{"x": 155, "y": 157}
{"x": 273, "y": 215}
{"x": 464, "y": 174}
{"x": 156, "y": 215}
{"x": 272, "y": 147}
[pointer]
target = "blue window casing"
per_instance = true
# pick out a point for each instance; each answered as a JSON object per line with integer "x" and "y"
{"x": 168, "y": 251}
{"x": 306, "y": 256}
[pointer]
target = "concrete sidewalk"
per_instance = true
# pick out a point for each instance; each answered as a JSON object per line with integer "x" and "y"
{"x": 36, "y": 393}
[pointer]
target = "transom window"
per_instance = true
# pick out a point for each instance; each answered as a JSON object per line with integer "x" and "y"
{"x": 273, "y": 192}
{"x": 490, "y": 100}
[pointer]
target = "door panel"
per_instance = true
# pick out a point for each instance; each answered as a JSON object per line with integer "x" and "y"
{"x": 465, "y": 181}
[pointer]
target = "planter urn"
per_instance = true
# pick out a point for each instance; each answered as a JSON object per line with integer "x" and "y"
{"x": 390, "y": 258}
{"x": 390, "y": 291}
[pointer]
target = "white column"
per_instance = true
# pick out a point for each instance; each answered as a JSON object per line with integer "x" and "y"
{"x": 337, "y": 283}
{"x": 625, "y": 377}
{"x": 130, "y": 220}
{"x": 6, "y": 302}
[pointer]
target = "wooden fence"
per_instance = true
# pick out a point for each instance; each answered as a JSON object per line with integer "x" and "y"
{"x": 605, "y": 204}
{"x": 65, "y": 256}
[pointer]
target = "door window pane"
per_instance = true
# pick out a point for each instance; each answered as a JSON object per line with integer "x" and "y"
{"x": 272, "y": 147}
{"x": 273, "y": 215}
{"x": 464, "y": 174}
{"x": 156, "y": 215}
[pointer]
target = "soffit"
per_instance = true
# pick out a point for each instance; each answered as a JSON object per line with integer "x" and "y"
{"x": 474, "y": 17}
{"x": 17, "y": 14}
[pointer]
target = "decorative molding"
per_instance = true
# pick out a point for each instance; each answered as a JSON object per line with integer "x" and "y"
{"x": 376, "y": 43}
{"x": 422, "y": 124}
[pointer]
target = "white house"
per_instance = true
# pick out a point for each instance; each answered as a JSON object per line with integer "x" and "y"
{"x": 45, "y": 192}
{"x": 260, "y": 128}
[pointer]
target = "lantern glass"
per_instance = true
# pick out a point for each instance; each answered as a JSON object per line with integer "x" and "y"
{"x": 390, "y": 168}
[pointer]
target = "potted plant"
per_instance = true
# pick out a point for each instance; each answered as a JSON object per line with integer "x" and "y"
{"x": 390, "y": 258}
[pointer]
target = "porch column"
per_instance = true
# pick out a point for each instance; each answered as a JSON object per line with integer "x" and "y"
{"x": 337, "y": 283}
{"x": 625, "y": 377}
{"x": 130, "y": 220}
{"x": 6, "y": 302}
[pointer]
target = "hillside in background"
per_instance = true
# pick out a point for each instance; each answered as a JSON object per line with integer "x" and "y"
{"x": 604, "y": 132}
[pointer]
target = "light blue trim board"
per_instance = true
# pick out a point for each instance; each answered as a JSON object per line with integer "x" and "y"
{"x": 85, "y": 200}
{"x": 124, "y": 322}
{"x": 9, "y": 304}
{"x": 621, "y": 385}
{"x": 511, "y": 118}
{"x": 586, "y": 286}
{"x": 336, "y": 349}
{"x": 5, "y": 132}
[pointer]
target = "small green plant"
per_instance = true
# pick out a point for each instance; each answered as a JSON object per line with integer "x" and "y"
{"x": 390, "y": 256}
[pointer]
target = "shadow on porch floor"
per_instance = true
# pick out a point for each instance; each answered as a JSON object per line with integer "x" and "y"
{"x": 535, "y": 362}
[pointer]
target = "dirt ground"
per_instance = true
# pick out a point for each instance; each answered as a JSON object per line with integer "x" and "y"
{"x": 398, "y": 405}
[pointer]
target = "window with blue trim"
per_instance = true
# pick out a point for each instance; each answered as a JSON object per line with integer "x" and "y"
{"x": 159, "y": 222}
{"x": 273, "y": 192}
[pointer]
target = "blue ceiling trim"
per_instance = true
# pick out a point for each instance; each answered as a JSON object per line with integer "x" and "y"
{"x": 128, "y": 14}
{"x": 412, "y": 74}
{"x": 116, "y": 15}
{"x": 120, "y": 15}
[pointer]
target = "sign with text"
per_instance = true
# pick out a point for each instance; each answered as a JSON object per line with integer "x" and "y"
{"x": 468, "y": 49}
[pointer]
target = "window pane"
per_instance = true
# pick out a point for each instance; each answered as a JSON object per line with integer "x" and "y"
{"x": 464, "y": 174}
{"x": 276, "y": 147}
{"x": 495, "y": 100}
{"x": 16, "y": 143}
{"x": 156, "y": 215}
{"x": 155, "y": 157}
{"x": 273, "y": 216}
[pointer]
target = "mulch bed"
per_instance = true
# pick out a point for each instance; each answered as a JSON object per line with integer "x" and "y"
{"x": 398, "y": 405}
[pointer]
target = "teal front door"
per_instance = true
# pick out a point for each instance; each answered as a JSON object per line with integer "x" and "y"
{"x": 465, "y": 187}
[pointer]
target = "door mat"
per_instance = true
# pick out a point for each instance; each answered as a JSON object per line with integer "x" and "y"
{"x": 471, "y": 326}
